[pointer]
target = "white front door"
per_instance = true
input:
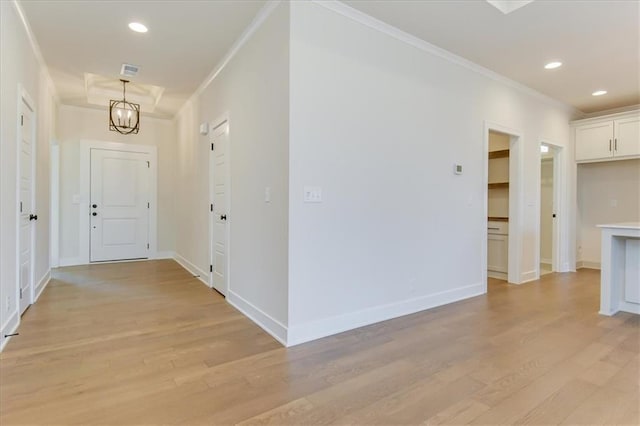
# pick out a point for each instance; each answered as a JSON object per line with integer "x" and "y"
{"x": 220, "y": 208}
{"x": 119, "y": 205}
{"x": 27, "y": 214}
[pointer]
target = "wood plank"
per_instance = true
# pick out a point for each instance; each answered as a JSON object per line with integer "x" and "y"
{"x": 146, "y": 343}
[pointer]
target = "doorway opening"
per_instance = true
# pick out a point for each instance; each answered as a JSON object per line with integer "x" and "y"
{"x": 550, "y": 209}
{"x": 118, "y": 202}
{"x": 220, "y": 202}
{"x": 26, "y": 194}
{"x": 503, "y": 210}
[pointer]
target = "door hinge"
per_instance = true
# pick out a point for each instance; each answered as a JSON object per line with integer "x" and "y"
{"x": 148, "y": 206}
{"x": 20, "y": 292}
{"x": 210, "y": 268}
{"x": 212, "y": 146}
{"x": 148, "y": 164}
{"x": 211, "y": 207}
{"x": 22, "y": 119}
{"x": 20, "y": 206}
{"x": 147, "y": 246}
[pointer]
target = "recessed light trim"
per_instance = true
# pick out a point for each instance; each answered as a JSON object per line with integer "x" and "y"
{"x": 138, "y": 27}
{"x": 553, "y": 65}
{"x": 599, "y": 93}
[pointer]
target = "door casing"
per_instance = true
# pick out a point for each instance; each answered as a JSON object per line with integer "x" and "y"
{"x": 85, "y": 194}
{"x": 215, "y": 124}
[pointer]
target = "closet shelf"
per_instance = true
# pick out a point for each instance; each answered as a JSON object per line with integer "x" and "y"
{"x": 503, "y": 153}
{"x": 497, "y": 185}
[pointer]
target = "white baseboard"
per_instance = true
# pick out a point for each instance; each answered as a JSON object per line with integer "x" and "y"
{"x": 42, "y": 283}
{"x": 9, "y": 327}
{"x": 261, "y": 318}
{"x": 528, "y": 276}
{"x": 166, "y": 254}
{"x": 195, "y": 271}
{"x": 587, "y": 264}
{"x": 71, "y": 261}
{"x": 546, "y": 262}
{"x": 497, "y": 275}
{"x": 333, "y": 325}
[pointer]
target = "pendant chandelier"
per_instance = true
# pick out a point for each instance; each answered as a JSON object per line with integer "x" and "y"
{"x": 124, "y": 117}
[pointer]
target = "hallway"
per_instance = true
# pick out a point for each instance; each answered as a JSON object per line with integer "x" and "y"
{"x": 145, "y": 342}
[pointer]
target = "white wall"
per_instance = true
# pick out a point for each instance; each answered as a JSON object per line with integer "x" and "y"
{"x": 20, "y": 65}
{"x": 608, "y": 192}
{"x": 378, "y": 124}
{"x": 76, "y": 124}
{"x": 253, "y": 90}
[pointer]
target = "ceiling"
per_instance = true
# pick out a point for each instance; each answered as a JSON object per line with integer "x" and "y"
{"x": 597, "y": 41}
{"x": 186, "y": 40}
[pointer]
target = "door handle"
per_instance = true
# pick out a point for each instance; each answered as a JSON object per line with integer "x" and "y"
{"x": 33, "y": 217}
{"x": 609, "y": 144}
{"x": 94, "y": 214}
{"x": 223, "y": 217}
{"x": 615, "y": 144}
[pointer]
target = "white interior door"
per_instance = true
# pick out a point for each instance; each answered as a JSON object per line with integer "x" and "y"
{"x": 220, "y": 208}
{"x": 27, "y": 214}
{"x": 119, "y": 205}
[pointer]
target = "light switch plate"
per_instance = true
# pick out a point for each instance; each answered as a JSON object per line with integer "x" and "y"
{"x": 312, "y": 194}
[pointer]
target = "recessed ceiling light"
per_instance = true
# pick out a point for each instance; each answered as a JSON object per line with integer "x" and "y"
{"x": 553, "y": 65}
{"x": 138, "y": 27}
{"x": 599, "y": 93}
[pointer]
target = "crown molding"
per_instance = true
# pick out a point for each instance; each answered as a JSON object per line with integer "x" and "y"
{"x": 390, "y": 30}
{"x": 36, "y": 49}
{"x": 258, "y": 20}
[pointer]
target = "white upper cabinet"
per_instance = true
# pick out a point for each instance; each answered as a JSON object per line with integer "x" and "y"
{"x": 609, "y": 138}
{"x": 626, "y": 133}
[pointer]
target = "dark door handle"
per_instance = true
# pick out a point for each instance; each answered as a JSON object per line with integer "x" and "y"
{"x": 94, "y": 214}
{"x": 94, "y": 206}
{"x": 223, "y": 217}
{"x": 33, "y": 217}
{"x": 554, "y": 215}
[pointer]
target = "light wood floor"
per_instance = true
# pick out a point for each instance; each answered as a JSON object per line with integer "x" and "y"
{"x": 145, "y": 343}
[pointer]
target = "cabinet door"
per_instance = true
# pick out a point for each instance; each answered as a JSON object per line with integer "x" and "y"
{"x": 594, "y": 141}
{"x": 627, "y": 137}
{"x": 497, "y": 253}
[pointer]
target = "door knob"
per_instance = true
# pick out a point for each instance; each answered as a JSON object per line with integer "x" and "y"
{"x": 33, "y": 217}
{"x": 94, "y": 214}
{"x": 223, "y": 217}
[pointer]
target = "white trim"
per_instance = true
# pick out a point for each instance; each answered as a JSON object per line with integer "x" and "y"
{"x": 165, "y": 254}
{"x": 516, "y": 197}
{"x": 628, "y": 111}
{"x": 42, "y": 283}
{"x": 213, "y": 125}
{"x": 587, "y": 264}
{"x": 9, "y": 327}
{"x": 258, "y": 20}
{"x": 54, "y": 203}
{"x": 25, "y": 98}
{"x": 85, "y": 191}
{"x": 530, "y": 276}
{"x": 269, "y": 324}
{"x": 193, "y": 269}
{"x": 371, "y": 22}
{"x": 71, "y": 261}
{"x": 333, "y": 325}
{"x": 560, "y": 244}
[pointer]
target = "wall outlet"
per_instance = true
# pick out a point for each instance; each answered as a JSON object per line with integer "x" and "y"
{"x": 312, "y": 194}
